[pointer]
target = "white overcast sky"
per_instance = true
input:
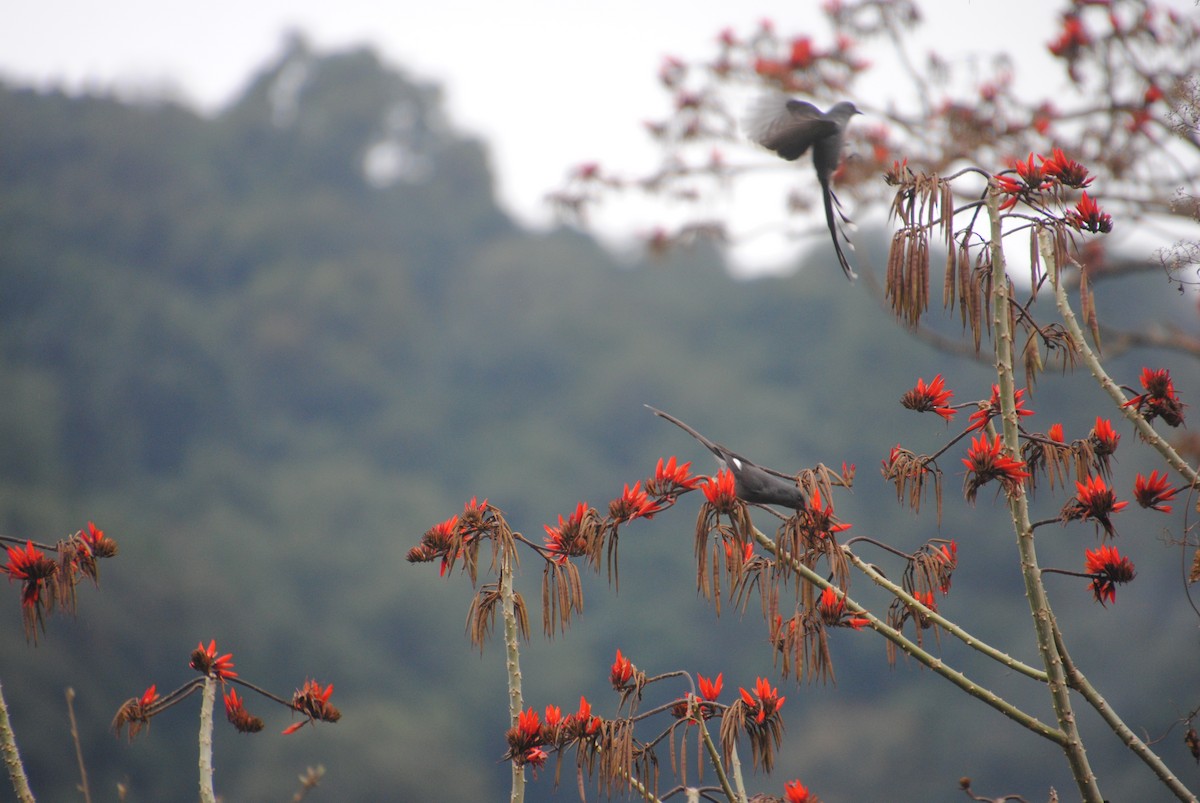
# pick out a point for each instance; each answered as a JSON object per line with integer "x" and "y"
{"x": 548, "y": 84}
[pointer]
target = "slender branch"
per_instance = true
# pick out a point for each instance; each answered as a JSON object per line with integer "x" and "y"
{"x": 1046, "y": 246}
{"x": 1018, "y": 502}
{"x": 12, "y": 756}
{"x": 1124, "y": 733}
{"x": 83, "y": 779}
{"x": 207, "y": 795}
{"x": 714, "y": 757}
{"x": 931, "y": 661}
{"x": 512, "y": 664}
{"x": 947, "y": 625}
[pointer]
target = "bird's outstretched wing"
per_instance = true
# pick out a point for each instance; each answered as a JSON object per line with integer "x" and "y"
{"x": 786, "y": 125}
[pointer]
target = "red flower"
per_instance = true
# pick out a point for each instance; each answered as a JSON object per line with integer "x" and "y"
{"x": 765, "y": 701}
{"x": 1108, "y": 569}
{"x": 795, "y": 792}
{"x": 1034, "y": 177}
{"x": 1087, "y": 216}
{"x": 930, "y": 398}
{"x": 1104, "y": 436}
{"x": 582, "y": 723}
{"x": 633, "y": 504}
{"x": 1094, "y": 500}
{"x": 1055, "y": 433}
{"x": 802, "y": 53}
{"x": 571, "y": 537}
{"x": 1011, "y": 187}
{"x": 237, "y": 714}
{"x": 670, "y": 478}
{"x": 313, "y": 701}
{"x": 525, "y": 738}
{"x": 205, "y": 661}
{"x": 986, "y": 461}
{"x": 553, "y": 716}
{"x": 534, "y": 757}
{"x": 980, "y": 417}
{"x": 1160, "y": 398}
{"x": 747, "y": 550}
{"x": 621, "y": 672}
{"x": 820, "y": 519}
{"x": 1154, "y": 491}
{"x": 710, "y": 689}
{"x": 31, "y": 566}
{"x": 1071, "y": 39}
{"x": 721, "y": 491}
{"x": 149, "y": 696}
{"x": 1066, "y": 170}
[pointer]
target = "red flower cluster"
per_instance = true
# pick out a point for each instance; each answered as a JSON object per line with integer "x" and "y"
{"x": 572, "y": 536}
{"x": 987, "y": 461}
{"x": 1096, "y": 501}
{"x": 721, "y": 491}
{"x": 832, "y": 607}
{"x": 1104, "y": 437}
{"x": 633, "y": 504}
{"x": 313, "y": 701}
{"x": 1154, "y": 491}
{"x": 983, "y": 415}
{"x": 796, "y": 792}
{"x": 1160, "y": 399}
{"x": 930, "y": 398}
{"x": 621, "y": 672}
{"x": 205, "y": 661}
{"x": 31, "y": 566}
{"x": 672, "y": 478}
{"x": 1087, "y": 216}
{"x": 1108, "y": 569}
{"x": 764, "y": 703}
{"x": 237, "y": 714}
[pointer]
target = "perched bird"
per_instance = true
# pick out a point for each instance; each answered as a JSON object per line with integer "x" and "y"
{"x": 790, "y": 127}
{"x": 753, "y": 483}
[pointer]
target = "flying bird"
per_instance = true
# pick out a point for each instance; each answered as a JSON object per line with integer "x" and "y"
{"x": 752, "y": 482}
{"x": 790, "y": 127}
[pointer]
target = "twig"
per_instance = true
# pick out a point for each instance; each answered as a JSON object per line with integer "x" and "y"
{"x": 83, "y": 779}
{"x": 12, "y": 756}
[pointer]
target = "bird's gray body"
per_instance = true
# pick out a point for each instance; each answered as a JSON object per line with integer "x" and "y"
{"x": 791, "y": 127}
{"x": 752, "y": 482}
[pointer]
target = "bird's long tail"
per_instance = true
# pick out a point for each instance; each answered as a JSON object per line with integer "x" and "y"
{"x": 712, "y": 447}
{"x": 830, "y": 200}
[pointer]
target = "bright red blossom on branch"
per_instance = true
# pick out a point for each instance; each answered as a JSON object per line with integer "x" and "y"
{"x": 633, "y": 504}
{"x": 1153, "y": 491}
{"x": 1094, "y": 500}
{"x": 672, "y": 477}
{"x": 820, "y": 519}
{"x": 710, "y": 689}
{"x": 1104, "y": 436}
{"x": 570, "y": 538}
{"x": 795, "y": 792}
{"x": 721, "y": 491}
{"x": 986, "y": 461}
{"x": 1160, "y": 399}
{"x": 1066, "y": 170}
{"x": 621, "y": 671}
{"x": 31, "y": 566}
{"x": 980, "y": 417}
{"x": 765, "y": 701}
{"x": 930, "y": 398}
{"x": 238, "y": 716}
{"x": 1087, "y": 216}
{"x": 1055, "y": 433}
{"x": 1108, "y": 569}
{"x": 205, "y": 661}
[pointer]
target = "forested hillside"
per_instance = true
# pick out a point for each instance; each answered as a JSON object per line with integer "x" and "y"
{"x": 266, "y": 349}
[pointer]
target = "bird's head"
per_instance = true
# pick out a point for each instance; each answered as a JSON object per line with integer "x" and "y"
{"x": 843, "y": 111}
